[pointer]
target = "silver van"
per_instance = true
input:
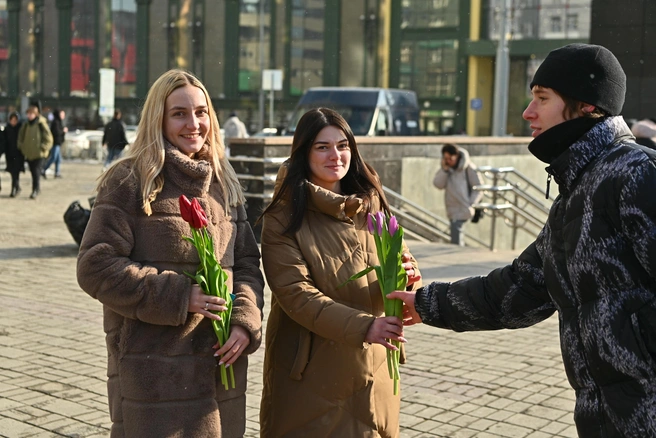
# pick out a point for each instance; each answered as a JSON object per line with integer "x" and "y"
{"x": 368, "y": 111}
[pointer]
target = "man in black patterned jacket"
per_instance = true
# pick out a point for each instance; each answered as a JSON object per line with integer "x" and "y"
{"x": 595, "y": 259}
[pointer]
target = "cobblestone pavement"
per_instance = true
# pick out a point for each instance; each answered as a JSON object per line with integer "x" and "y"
{"x": 52, "y": 352}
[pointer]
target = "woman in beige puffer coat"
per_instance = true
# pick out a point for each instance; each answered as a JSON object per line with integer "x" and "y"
{"x": 325, "y": 371}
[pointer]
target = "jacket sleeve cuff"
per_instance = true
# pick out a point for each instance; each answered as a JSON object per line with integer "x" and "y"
{"x": 427, "y": 303}
{"x": 248, "y": 316}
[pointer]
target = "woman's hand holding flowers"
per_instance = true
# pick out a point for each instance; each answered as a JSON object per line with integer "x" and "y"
{"x": 384, "y": 329}
{"x": 234, "y": 346}
{"x": 413, "y": 276}
{"x": 200, "y": 302}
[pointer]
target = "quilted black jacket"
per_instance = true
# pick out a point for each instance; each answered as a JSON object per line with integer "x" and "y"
{"x": 595, "y": 263}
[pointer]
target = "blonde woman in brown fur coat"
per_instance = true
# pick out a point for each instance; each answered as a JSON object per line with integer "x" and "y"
{"x": 163, "y": 378}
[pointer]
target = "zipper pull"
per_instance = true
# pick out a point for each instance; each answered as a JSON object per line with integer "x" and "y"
{"x": 548, "y": 184}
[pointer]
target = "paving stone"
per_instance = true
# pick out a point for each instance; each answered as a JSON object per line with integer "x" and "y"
{"x": 509, "y": 430}
{"x": 53, "y": 377}
{"x": 15, "y": 429}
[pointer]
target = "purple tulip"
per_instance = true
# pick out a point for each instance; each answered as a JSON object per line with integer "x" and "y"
{"x": 393, "y": 225}
{"x": 380, "y": 220}
{"x": 370, "y": 223}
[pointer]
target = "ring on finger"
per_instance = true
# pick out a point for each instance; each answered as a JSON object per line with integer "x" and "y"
{"x": 207, "y": 306}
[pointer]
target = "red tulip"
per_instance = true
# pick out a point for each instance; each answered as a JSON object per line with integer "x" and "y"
{"x": 193, "y": 213}
{"x": 185, "y": 208}
{"x": 209, "y": 275}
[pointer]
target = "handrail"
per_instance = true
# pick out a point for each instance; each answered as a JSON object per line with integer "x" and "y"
{"x": 247, "y": 159}
{"x": 510, "y": 209}
{"x": 423, "y": 224}
{"x": 506, "y": 170}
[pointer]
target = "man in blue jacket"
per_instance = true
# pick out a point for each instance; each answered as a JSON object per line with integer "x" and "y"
{"x": 595, "y": 259}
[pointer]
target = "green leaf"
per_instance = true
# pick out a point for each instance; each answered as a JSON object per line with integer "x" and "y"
{"x": 356, "y": 276}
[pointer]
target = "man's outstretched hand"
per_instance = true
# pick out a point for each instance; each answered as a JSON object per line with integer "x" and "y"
{"x": 410, "y": 315}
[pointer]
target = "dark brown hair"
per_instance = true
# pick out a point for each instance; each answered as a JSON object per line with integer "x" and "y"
{"x": 450, "y": 149}
{"x": 360, "y": 180}
{"x": 573, "y": 108}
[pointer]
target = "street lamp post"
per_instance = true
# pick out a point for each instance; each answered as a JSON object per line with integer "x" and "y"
{"x": 501, "y": 74}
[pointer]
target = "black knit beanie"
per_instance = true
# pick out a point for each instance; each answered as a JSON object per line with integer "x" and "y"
{"x": 587, "y": 73}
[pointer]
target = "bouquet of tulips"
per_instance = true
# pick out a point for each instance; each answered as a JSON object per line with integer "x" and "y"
{"x": 388, "y": 235}
{"x": 209, "y": 275}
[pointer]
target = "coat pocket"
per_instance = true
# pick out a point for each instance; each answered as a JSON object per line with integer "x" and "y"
{"x": 302, "y": 354}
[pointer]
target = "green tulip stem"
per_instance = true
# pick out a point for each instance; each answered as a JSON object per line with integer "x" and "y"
{"x": 212, "y": 280}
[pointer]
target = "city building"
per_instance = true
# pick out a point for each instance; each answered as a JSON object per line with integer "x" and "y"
{"x": 628, "y": 29}
{"x": 444, "y": 50}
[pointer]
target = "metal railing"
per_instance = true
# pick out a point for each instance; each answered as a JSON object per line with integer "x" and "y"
{"x": 420, "y": 223}
{"x": 515, "y": 200}
{"x": 510, "y": 197}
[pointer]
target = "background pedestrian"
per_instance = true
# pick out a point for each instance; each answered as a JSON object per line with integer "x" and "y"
{"x": 34, "y": 142}
{"x": 58, "y": 131}
{"x": 457, "y": 176}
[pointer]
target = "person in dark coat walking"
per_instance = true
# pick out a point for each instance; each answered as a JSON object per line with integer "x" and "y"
{"x": 594, "y": 262}
{"x": 114, "y": 138}
{"x": 14, "y": 157}
{"x": 58, "y": 131}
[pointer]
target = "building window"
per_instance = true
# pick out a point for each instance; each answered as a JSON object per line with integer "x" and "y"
{"x": 250, "y": 64}
{"x": 184, "y": 33}
{"x": 307, "y": 51}
{"x": 540, "y": 19}
{"x": 429, "y": 13}
{"x": 83, "y": 47}
{"x": 429, "y": 67}
{"x": 124, "y": 46}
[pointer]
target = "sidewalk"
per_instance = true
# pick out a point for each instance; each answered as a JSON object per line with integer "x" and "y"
{"x": 53, "y": 357}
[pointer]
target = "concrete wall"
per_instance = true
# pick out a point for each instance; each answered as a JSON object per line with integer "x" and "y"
{"x": 407, "y": 165}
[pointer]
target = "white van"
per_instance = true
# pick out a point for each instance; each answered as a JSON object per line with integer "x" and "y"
{"x": 368, "y": 111}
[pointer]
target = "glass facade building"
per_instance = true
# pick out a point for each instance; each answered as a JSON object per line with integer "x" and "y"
{"x": 444, "y": 50}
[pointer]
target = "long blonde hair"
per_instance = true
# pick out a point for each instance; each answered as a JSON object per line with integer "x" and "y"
{"x": 147, "y": 151}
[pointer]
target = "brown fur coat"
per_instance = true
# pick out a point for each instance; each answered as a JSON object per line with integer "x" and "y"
{"x": 163, "y": 380}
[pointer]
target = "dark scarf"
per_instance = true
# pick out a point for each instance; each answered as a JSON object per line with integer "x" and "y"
{"x": 554, "y": 141}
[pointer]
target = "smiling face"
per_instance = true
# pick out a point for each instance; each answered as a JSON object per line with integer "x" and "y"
{"x": 186, "y": 119}
{"x": 546, "y": 110}
{"x": 330, "y": 158}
